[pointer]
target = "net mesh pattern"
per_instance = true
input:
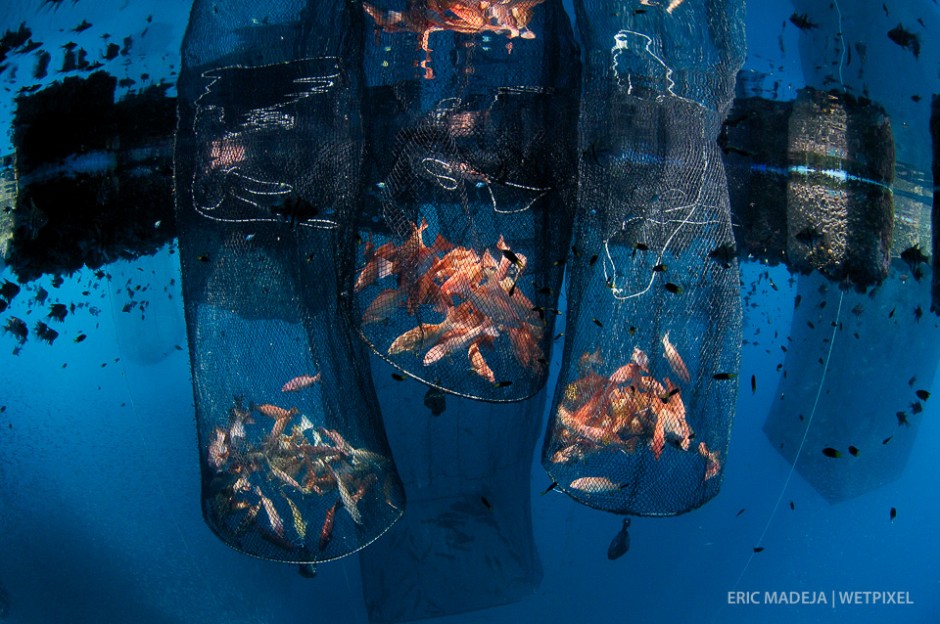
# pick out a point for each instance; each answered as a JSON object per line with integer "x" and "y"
{"x": 295, "y": 463}
{"x": 466, "y": 542}
{"x": 469, "y": 192}
{"x": 643, "y": 408}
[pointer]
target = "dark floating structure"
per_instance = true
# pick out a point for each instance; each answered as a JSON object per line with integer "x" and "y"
{"x": 102, "y": 191}
{"x": 93, "y": 178}
{"x": 810, "y": 182}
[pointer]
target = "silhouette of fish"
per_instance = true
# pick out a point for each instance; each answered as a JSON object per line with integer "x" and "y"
{"x": 621, "y": 542}
{"x": 906, "y": 39}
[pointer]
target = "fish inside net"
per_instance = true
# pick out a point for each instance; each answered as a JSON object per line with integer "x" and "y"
{"x": 644, "y": 405}
{"x": 469, "y": 189}
{"x": 295, "y": 463}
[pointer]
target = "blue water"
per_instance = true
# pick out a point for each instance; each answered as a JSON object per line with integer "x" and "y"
{"x": 100, "y": 515}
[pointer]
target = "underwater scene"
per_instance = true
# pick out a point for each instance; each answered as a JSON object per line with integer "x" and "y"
{"x": 469, "y": 311}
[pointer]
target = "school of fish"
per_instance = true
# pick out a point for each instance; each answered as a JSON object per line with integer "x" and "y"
{"x": 479, "y": 296}
{"x": 286, "y": 467}
{"x": 624, "y": 411}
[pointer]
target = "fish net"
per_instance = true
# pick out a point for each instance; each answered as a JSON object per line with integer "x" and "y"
{"x": 469, "y": 180}
{"x": 466, "y": 542}
{"x": 295, "y": 463}
{"x": 819, "y": 402}
{"x": 840, "y": 207}
{"x": 644, "y": 404}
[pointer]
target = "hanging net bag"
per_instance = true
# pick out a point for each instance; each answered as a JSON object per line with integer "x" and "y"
{"x": 469, "y": 195}
{"x": 643, "y": 407}
{"x": 295, "y": 463}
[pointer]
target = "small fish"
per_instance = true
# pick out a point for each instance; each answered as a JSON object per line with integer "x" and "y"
{"x": 300, "y": 382}
{"x": 753, "y": 384}
{"x": 831, "y": 452}
{"x": 503, "y": 384}
{"x": 902, "y": 419}
{"x": 45, "y": 333}
{"x": 509, "y": 255}
{"x": 801, "y": 21}
{"x": 597, "y": 322}
{"x": 277, "y": 525}
{"x": 923, "y": 395}
{"x": 906, "y": 39}
{"x": 916, "y": 407}
{"x": 9, "y": 290}
{"x": 659, "y": 268}
{"x": 621, "y": 542}
{"x": 398, "y": 377}
{"x": 665, "y": 397}
{"x": 724, "y": 254}
{"x": 674, "y": 288}
{"x": 675, "y": 360}
{"x": 300, "y": 526}
{"x": 893, "y": 514}
{"x": 80, "y": 338}
{"x": 796, "y": 301}
{"x": 891, "y": 313}
{"x": 594, "y": 485}
{"x": 307, "y": 570}
{"x": 326, "y": 532}
{"x": 551, "y": 487}
{"x": 918, "y": 313}
{"x": 792, "y": 506}
{"x": 478, "y": 364}
{"x": 486, "y": 503}
{"x": 275, "y": 412}
{"x": 85, "y": 25}
{"x": 435, "y": 400}
{"x": 593, "y": 260}
{"x": 724, "y": 376}
{"x": 758, "y": 549}
{"x": 911, "y": 381}
{"x": 739, "y": 513}
{"x": 886, "y": 440}
{"x": 853, "y": 451}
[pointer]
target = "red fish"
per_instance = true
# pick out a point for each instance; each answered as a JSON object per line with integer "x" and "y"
{"x": 275, "y": 412}
{"x": 326, "y": 533}
{"x": 712, "y": 466}
{"x": 300, "y": 382}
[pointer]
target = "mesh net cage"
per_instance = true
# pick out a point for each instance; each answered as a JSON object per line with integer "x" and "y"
{"x": 840, "y": 207}
{"x": 466, "y": 542}
{"x": 470, "y": 172}
{"x": 295, "y": 463}
{"x": 644, "y": 404}
{"x": 877, "y": 357}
